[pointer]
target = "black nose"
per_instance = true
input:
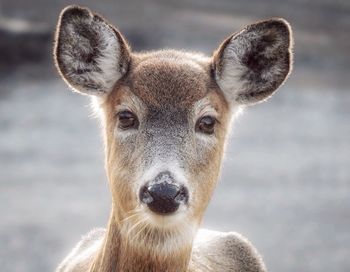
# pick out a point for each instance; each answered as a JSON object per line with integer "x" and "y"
{"x": 163, "y": 195}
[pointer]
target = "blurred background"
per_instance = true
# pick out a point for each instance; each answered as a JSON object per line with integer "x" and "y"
{"x": 286, "y": 178}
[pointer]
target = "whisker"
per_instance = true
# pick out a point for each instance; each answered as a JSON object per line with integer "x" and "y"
{"x": 129, "y": 217}
{"x": 148, "y": 231}
{"x": 139, "y": 232}
{"x": 136, "y": 225}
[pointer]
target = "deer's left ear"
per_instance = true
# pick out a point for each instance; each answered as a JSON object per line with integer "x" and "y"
{"x": 250, "y": 65}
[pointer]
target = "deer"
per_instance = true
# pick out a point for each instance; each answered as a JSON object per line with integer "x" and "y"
{"x": 165, "y": 117}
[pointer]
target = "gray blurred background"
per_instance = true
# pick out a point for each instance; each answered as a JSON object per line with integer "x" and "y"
{"x": 286, "y": 177}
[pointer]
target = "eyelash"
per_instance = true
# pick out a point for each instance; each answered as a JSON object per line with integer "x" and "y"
{"x": 206, "y": 124}
{"x": 127, "y": 120}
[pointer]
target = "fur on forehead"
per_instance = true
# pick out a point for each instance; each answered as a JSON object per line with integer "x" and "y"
{"x": 169, "y": 78}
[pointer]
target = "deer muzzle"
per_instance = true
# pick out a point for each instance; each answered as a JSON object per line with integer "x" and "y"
{"x": 163, "y": 195}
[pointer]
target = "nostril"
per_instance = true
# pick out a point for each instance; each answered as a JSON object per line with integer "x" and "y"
{"x": 145, "y": 195}
{"x": 182, "y": 196}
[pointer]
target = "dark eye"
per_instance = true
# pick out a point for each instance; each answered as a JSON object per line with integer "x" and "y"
{"x": 206, "y": 125}
{"x": 127, "y": 120}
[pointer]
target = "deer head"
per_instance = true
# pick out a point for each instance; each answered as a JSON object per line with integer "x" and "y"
{"x": 166, "y": 115}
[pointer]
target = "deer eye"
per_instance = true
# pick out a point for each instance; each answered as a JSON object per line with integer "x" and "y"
{"x": 127, "y": 120}
{"x": 206, "y": 125}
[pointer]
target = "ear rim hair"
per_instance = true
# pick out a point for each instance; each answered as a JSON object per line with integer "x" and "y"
{"x": 124, "y": 49}
{"x": 252, "y": 98}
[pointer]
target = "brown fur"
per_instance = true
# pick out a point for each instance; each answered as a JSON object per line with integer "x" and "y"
{"x": 118, "y": 255}
{"x": 168, "y": 91}
{"x": 143, "y": 84}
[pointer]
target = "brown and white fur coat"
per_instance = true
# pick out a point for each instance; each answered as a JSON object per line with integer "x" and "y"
{"x": 165, "y": 117}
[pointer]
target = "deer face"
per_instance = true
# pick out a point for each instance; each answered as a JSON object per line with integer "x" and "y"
{"x": 166, "y": 114}
{"x": 166, "y": 123}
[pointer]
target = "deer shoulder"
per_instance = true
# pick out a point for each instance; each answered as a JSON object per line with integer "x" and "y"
{"x": 225, "y": 251}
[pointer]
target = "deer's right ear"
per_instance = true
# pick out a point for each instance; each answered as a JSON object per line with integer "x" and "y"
{"x": 89, "y": 53}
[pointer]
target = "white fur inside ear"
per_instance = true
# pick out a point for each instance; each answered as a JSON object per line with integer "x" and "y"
{"x": 108, "y": 61}
{"x": 230, "y": 77}
{"x": 252, "y": 64}
{"x": 89, "y": 54}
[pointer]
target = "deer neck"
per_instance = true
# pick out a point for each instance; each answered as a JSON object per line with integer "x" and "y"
{"x": 116, "y": 254}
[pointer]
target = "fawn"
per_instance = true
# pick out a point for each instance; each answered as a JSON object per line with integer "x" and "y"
{"x": 165, "y": 117}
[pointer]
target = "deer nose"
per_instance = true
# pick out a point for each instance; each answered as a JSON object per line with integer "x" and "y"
{"x": 163, "y": 196}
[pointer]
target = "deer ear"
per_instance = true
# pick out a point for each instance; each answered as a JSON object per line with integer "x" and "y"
{"x": 250, "y": 65}
{"x": 89, "y": 53}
